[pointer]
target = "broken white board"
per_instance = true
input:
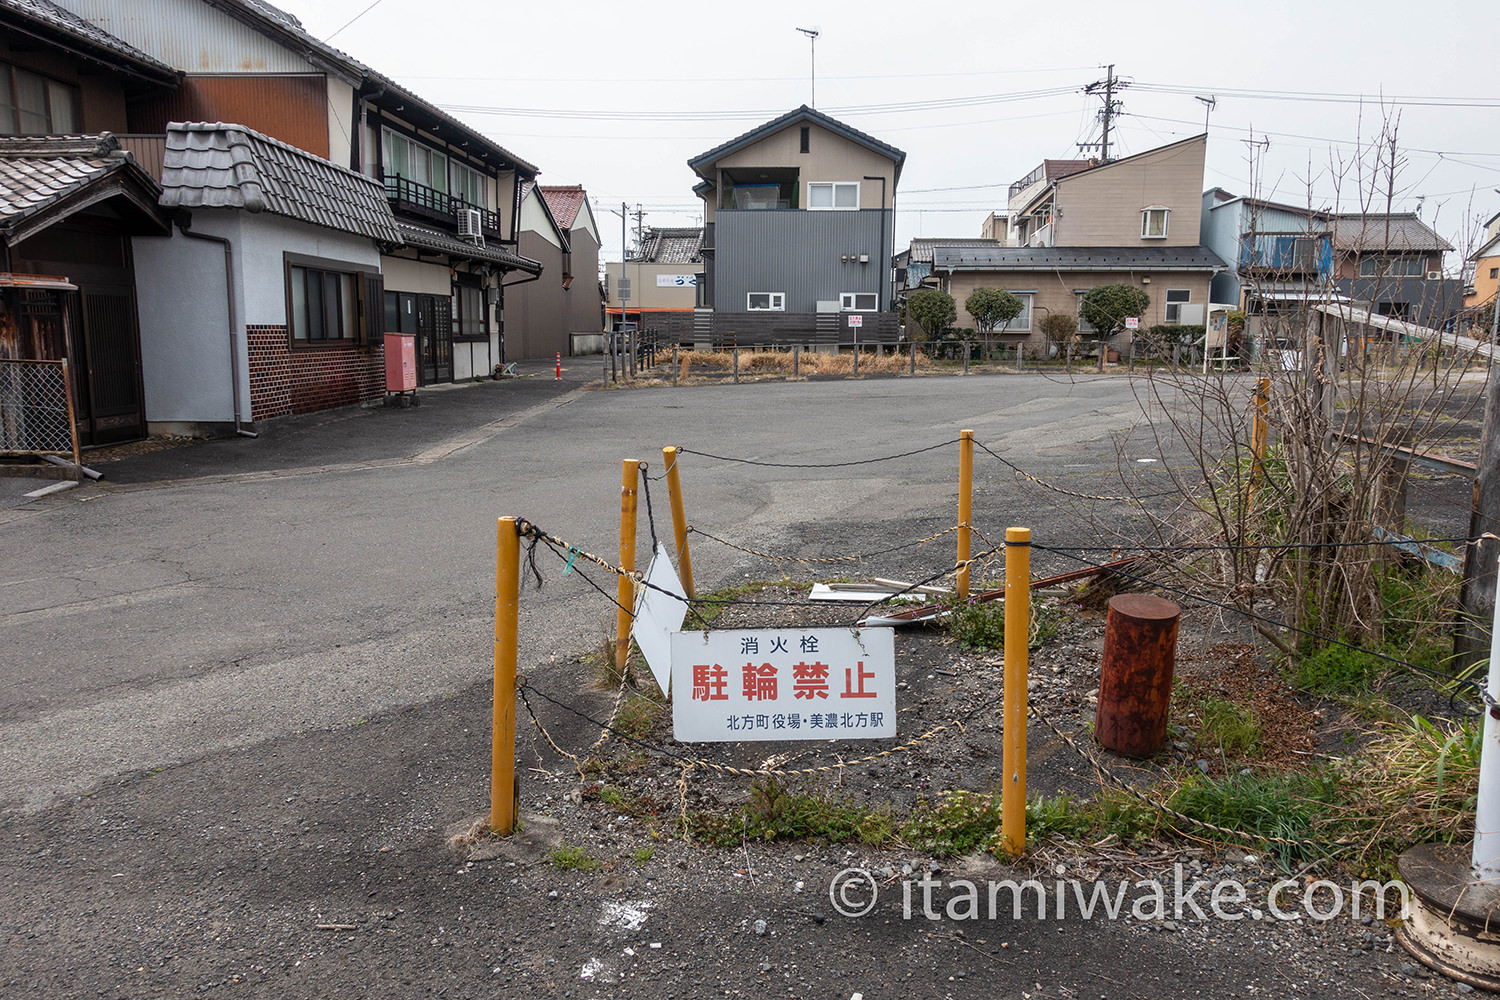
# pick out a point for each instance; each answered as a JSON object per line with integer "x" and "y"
{"x": 658, "y": 615}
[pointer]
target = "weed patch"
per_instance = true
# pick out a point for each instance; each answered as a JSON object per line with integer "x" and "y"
{"x": 571, "y": 858}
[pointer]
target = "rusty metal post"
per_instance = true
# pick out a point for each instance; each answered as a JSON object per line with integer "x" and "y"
{"x": 1135, "y": 684}
{"x": 965, "y": 507}
{"x": 1017, "y": 649}
{"x": 1395, "y": 470}
{"x": 625, "y": 591}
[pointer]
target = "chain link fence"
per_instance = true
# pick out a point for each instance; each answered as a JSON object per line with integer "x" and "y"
{"x": 36, "y": 411}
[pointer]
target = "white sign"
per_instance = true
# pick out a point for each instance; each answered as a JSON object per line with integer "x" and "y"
{"x": 856, "y": 320}
{"x": 784, "y": 684}
{"x": 658, "y": 615}
{"x": 1132, "y": 322}
{"x": 676, "y": 281}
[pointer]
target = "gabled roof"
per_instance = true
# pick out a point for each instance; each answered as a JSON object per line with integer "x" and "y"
{"x": 922, "y": 247}
{"x": 426, "y": 238}
{"x": 231, "y": 166}
{"x": 41, "y": 176}
{"x": 63, "y": 27}
{"x": 527, "y": 190}
{"x": 972, "y": 257}
{"x": 1094, "y": 170}
{"x": 678, "y": 245}
{"x": 564, "y": 201}
{"x": 1223, "y": 199}
{"x": 287, "y": 30}
{"x": 1401, "y": 232}
{"x": 802, "y": 114}
{"x": 1490, "y": 249}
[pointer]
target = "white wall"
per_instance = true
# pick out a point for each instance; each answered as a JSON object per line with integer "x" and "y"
{"x": 184, "y": 318}
{"x": 185, "y": 360}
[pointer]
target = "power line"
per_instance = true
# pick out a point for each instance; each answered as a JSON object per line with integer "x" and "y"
{"x": 356, "y": 17}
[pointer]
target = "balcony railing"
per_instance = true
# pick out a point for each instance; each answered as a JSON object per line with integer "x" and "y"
{"x": 1288, "y": 252}
{"x": 419, "y": 199}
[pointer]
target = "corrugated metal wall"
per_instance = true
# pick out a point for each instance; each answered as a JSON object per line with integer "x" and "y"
{"x": 797, "y": 253}
{"x": 293, "y": 109}
{"x": 190, "y": 35}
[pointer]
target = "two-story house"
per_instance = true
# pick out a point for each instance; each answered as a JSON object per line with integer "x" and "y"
{"x": 1280, "y": 256}
{"x": 1483, "y": 271}
{"x": 1130, "y": 221}
{"x": 71, "y": 201}
{"x": 798, "y": 234}
{"x": 455, "y": 193}
{"x": 1394, "y": 262}
{"x": 545, "y": 316}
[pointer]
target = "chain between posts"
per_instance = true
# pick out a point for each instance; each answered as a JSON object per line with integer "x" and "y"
{"x": 820, "y": 560}
{"x": 523, "y": 686}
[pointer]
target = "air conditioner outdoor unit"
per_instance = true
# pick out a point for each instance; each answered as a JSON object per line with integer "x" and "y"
{"x": 1434, "y": 275}
{"x": 470, "y": 221}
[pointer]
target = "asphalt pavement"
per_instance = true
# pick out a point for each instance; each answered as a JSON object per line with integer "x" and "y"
{"x": 245, "y": 685}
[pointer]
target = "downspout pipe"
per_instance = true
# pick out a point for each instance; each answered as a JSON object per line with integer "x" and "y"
{"x": 183, "y": 225}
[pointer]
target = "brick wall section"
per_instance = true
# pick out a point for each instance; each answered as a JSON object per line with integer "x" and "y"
{"x": 284, "y": 381}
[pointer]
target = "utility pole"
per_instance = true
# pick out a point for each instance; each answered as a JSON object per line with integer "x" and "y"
{"x": 812, "y": 37}
{"x": 1109, "y": 112}
{"x": 640, "y": 224}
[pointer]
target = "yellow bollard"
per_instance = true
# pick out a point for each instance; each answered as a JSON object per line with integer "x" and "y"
{"x": 965, "y": 507}
{"x": 1259, "y": 429}
{"x": 625, "y": 591}
{"x": 507, "y": 619}
{"x": 1017, "y": 638}
{"x": 1259, "y": 432}
{"x": 679, "y": 520}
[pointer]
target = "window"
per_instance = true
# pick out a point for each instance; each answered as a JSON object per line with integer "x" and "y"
{"x": 31, "y": 104}
{"x": 824, "y": 196}
{"x": 469, "y": 319}
{"x": 1084, "y": 326}
{"x": 765, "y": 301}
{"x": 468, "y": 184}
{"x": 1176, "y": 299}
{"x": 806, "y": 138}
{"x": 415, "y": 162}
{"x": 1494, "y": 273}
{"x": 324, "y": 303}
{"x": 1022, "y": 322}
{"x": 1393, "y": 267}
{"x": 1154, "y": 222}
{"x": 859, "y": 301}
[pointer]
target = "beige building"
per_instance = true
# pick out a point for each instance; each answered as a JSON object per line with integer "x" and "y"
{"x": 664, "y": 273}
{"x": 1075, "y": 226}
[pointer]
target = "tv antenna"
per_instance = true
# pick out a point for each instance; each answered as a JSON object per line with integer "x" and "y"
{"x": 812, "y": 38}
{"x": 1209, "y": 103}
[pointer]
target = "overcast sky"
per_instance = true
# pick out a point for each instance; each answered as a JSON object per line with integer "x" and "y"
{"x": 617, "y": 97}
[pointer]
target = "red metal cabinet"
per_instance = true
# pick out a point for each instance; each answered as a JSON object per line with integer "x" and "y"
{"x": 400, "y": 362}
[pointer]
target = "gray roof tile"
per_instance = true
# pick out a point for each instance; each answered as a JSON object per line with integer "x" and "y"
{"x": 921, "y": 247}
{"x": 35, "y": 172}
{"x": 1401, "y": 232}
{"x": 432, "y": 239}
{"x": 231, "y": 166}
{"x": 804, "y": 113}
{"x": 677, "y": 245}
{"x": 974, "y": 257}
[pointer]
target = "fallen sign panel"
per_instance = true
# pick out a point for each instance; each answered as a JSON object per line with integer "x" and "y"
{"x": 783, "y": 684}
{"x": 928, "y": 612}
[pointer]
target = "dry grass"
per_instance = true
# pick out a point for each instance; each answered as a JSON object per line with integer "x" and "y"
{"x": 780, "y": 362}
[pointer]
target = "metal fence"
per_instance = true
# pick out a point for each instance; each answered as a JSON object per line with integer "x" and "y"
{"x": 36, "y": 409}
